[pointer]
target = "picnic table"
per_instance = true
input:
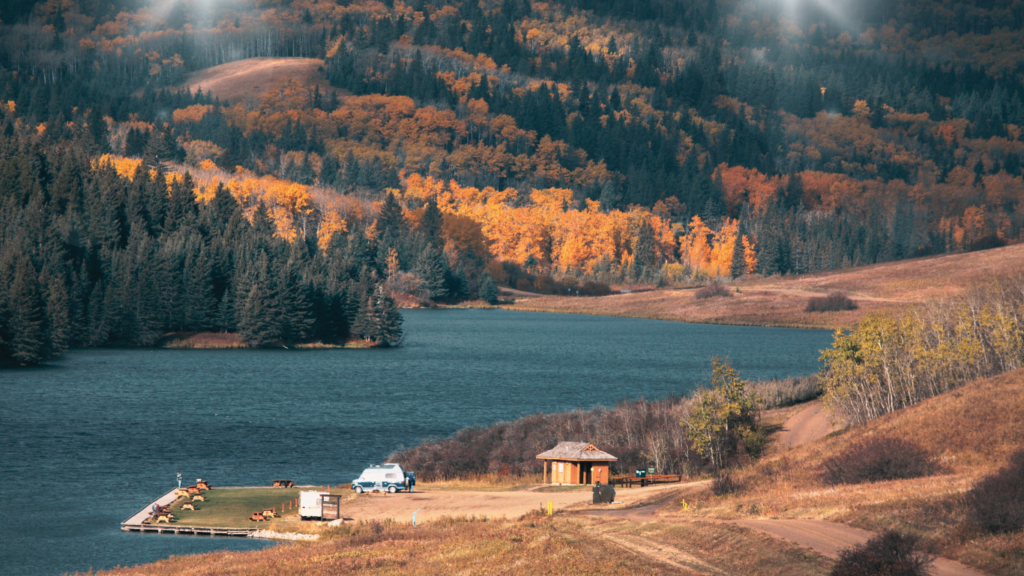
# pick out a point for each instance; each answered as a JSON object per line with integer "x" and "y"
{"x": 630, "y": 481}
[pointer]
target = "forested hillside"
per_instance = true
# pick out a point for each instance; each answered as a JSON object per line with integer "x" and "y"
{"x": 541, "y": 145}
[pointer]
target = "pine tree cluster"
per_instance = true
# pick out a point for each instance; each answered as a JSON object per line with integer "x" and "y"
{"x": 88, "y": 258}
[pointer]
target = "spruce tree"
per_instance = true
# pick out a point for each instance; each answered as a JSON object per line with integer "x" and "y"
{"x": 58, "y": 316}
{"x": 27, "y": 321}
{"x": 391, "y": 219}
{"x": 431, "y": 222}
{"x": 643, "y": 246}
{"x": 388, "y": 319}
{"x": 433, "y": 268}
{"x": 739, "y": 263}
{"x": 257, "y": 323}
{"x": 488, "y": 290}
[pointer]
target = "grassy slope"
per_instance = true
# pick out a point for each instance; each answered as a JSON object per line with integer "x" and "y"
{"x": 780, "y": 301}
{"x": 972, "y": 430}
{"x": 532, "y": 545}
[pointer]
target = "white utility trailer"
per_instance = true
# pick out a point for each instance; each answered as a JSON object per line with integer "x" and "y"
{"x": 311, "y": 504}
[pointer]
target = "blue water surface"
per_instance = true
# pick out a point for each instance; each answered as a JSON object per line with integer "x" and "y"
{"x": 94, "y": 437}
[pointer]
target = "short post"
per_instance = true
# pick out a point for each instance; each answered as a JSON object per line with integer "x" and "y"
{"x": 551, "y": 508}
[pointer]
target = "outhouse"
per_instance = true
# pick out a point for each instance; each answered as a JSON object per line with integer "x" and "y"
{"x": 577, "y": 463}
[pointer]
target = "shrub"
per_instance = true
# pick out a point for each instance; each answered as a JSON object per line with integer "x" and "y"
{"x": 724, "y": 484}
{"x": 996, "y": 504}
{"x": 712, "y": 291}
{"x": 834, "y": 302}
{"x": 890, "y": 554}
{"x": 788, "y": 391}
{"x": 591, "y": 288}
{"x": 877, "y": 459}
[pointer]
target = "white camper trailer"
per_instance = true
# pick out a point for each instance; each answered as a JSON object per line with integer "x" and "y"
{"x": 311, "y": 504}
{"x": 389, "y": 477}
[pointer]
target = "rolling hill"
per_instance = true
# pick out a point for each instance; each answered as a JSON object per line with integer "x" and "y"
{"x": 781, "y": 300}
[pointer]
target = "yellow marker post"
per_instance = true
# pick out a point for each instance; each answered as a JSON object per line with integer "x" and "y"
{"x": 551, "y": 508}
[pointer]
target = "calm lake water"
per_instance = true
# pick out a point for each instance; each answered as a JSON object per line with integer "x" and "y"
{"x": 91, "y": 439}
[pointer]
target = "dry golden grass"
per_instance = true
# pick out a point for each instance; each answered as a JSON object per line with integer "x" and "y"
{"x": 715, "y": 547}
{"x": 203, "y": 340}
{"x": 972, "y": 431}
{"x": 453, "y": 546}
{"x": 780, "y": 301}
{"x": 243, "y": 79}
{"x": 485, "y": 482}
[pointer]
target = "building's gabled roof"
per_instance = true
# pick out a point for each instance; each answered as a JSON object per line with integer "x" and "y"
{"x": 576, "y": 451}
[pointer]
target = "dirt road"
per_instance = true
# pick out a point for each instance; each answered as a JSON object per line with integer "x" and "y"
{"x": 508, "y": 504}
{"x": 825, "y": 538}
{"x": 829, "y": 539}
{"x": 806, "y": 425}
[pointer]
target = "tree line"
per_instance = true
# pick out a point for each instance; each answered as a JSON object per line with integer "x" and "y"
{"x": 89, "y": 258}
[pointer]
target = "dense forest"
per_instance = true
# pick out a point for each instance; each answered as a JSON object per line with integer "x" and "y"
{"x": 455, "y": 146}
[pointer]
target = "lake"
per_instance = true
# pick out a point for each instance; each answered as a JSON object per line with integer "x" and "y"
{"x": 91, "y": 439}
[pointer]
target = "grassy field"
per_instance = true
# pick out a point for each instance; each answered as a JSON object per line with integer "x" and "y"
{"x": 780, "y": 301}
{"x": 972, "y": 431}
{"x": 231, "y": 507}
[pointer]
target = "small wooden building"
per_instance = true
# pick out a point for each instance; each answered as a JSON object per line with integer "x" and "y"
{"x": 577, "y": 463}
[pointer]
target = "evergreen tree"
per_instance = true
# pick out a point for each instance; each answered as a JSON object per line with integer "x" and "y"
{"x": 431, "y": 222}
{"x": 433, "y": 269}
{"x": 488, "y": 290}
{"x": 391, "y": 219}
{"x": 739, "y": 264}
{"x": 258, "y": 325}
{"x": 643, "y": 246}
{"x": 26, "y": 318}
{"x": 388, "y": 319}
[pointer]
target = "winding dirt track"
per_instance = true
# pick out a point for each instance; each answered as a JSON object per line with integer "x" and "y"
{"x": 825, "y": 538}
{"x": 806, "y": 426}
{"x": 829, "y": 539}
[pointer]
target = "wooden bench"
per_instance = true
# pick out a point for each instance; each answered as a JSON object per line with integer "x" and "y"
{"x": 199, "y": 498}
{"x": 202, "y": 484}
{"x": 283, "y": 483}
{"x": 270, "y": 512}
{"x": 188, "y": 506}
{"x": 257, "y": 517}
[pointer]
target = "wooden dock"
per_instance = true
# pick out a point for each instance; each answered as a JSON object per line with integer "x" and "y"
{"x": 189, "y": 530}
{"x": 137, "y": 523}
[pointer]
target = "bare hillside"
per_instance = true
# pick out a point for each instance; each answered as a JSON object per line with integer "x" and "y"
{"x": 780, "y": 301}
{"x": 248, "y": 78}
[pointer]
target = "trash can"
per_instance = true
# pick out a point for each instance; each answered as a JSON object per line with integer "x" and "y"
{"x": 603, "y": 494}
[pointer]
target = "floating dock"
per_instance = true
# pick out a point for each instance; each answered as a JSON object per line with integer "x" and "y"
{"x": 189, "y": 530}
{"x": 137, "y": 523}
